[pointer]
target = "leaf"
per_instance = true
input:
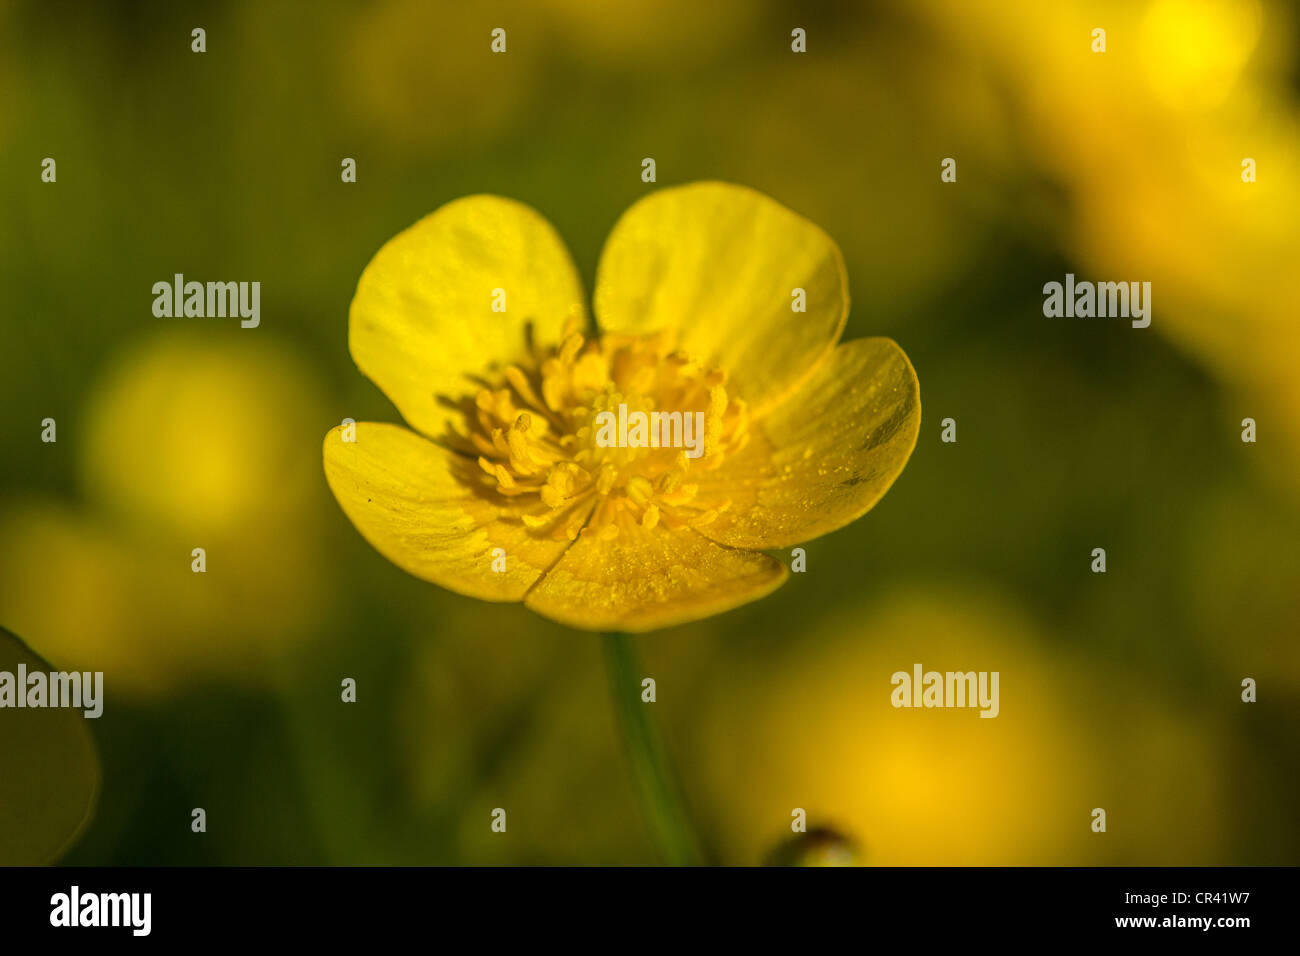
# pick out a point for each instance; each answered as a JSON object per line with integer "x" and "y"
{"x": 49, "y": 770}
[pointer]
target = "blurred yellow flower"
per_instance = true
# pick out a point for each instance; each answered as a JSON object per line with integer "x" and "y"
{"x": 1149, "y": 140}
{"x": 815, "y": 728}
{"x": 213, "y": 422}
{"x": 472, "y": 320}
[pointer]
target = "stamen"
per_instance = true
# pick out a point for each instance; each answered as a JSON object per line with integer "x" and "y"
{"x": 542, "y": 452}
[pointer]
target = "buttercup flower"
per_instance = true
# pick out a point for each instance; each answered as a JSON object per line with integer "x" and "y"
{"x": 473, "y": 323}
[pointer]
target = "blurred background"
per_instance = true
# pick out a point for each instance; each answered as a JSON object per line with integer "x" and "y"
{"x": 1119, "y": 691}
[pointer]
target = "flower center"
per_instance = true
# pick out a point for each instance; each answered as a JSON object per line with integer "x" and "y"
{"x": 555, "y": 433}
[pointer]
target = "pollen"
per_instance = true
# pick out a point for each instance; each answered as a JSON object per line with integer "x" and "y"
{"x": 536, "y": 439}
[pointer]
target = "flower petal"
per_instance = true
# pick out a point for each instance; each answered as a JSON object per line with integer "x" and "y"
{"x": 421, "y": 324}
{"x": 420, "y": 507}
{"x": 823, "y": 458}
{"x": 647, "y": 579}
{"x": 52, "y": 769}
{"x": 716, "y": 264}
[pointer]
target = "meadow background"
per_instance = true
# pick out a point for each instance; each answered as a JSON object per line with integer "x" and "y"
{"x": 1119, "y": 690}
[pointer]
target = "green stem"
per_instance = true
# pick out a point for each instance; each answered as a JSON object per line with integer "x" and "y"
{"x": 652, "y": 770}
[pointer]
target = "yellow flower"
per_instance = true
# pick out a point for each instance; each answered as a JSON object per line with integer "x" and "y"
{"x": 813, "y": 726}
{"x": 222, "y": 475}
{"x": 506, "y": 494}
